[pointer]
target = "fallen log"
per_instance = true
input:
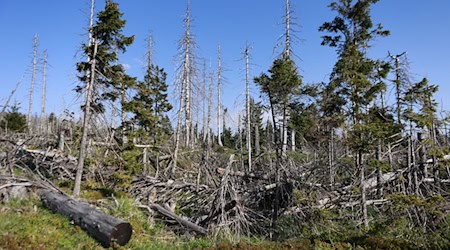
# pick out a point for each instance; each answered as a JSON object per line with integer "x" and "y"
{"x": 106, "y": 229}
{"x": 167, "y": 213}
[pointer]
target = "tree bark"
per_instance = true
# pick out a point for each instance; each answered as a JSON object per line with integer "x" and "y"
{"x": 85, "y": 128}
{"x": 219, "y": 79}
{"x": 247, "y": 109}
{"x": 106, "y": 229}
{"x": 33, "y": 77}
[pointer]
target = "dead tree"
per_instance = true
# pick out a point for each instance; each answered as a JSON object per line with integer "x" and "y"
{"x": 208, "y": 122}
{"x": 105, "y": 228}
{"x": 85, "y": 128}
{"x": 247, "y": 107}
{"x": 11, "y": 95}
{"x": 44, "y": 91}
{"x": 187, "y": 46}
{"x": 89, "y": 84}
{"x": 219, "y": 82}
{"x": 33, "y": 78}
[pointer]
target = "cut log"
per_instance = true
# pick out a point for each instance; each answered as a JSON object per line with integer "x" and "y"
{"x": 106, "y": 229}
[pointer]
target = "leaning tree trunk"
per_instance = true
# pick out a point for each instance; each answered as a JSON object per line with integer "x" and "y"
{"x": 105, "y": 228}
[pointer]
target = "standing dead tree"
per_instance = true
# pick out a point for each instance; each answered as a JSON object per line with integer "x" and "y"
{"x": 89, "y": 85}
{"x": 247, "y": 107}
{"x": 11, "y": 95}
{"x": 33, "y": 78}
{"x": 44, "y": 92}
{"x": 219, "y": 106}
{"x": 186, "y": 73}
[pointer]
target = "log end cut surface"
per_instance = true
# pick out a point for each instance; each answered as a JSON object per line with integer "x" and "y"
{"x": 122, "y": 233}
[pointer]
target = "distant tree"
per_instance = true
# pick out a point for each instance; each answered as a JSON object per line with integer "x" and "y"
{"x": 13, "y": 120}
{"x": 279, "y": 87}
{"x": 150, "y": 103}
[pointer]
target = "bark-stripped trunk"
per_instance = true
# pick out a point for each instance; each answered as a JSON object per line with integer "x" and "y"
{"x": 208, "y": 121}
{"x": 379, "y": 172}
{"x": 187, "y": 77}
{"x": 361, "y": 166}
{"x": 204, "y": 100}
{"x": 219, "y": 80}
{"x": 87, "y": 106}
{"x": 86, "y": 119}
{"x": 33, "y": 78}
{"x": 178, "y": 132}
{"x": 44, "y": 92}
{"x": 257, "y": 140}
{"x": 247, "y": 108}
{"x": 123, "y": 114}
{"x": 331, "y": 157}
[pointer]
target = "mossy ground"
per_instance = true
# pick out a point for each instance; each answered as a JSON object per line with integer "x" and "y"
{"x": 27, "y": 224}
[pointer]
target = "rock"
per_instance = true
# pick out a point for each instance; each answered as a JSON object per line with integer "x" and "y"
{"x": 18, "y": 192}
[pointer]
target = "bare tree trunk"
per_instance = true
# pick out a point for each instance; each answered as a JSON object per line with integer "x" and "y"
{"x": 85, "y": 128}
{"x": 240, "y": 143}
{"x": 284, "y": 132}
{"x": 33, "y": 78}
{"x": 379, "y": 172}
{"x": 178, "y": 131}
{"x": 247, "y": 108}
{"x": 293, "y": 140}
{"x": 123, "y": 114}
{"x": 187, "y": 77}
{"x": 10, "y": 96}
{"x": 204, "y": 101}
{"x": 360, "y": 164}
{"x": 287, "y": 35}
{"x": 219, "y": 79}
{"x": 257, "y": 140}
{"x": 208, "y": 122}
{"x": 422, "y": 155}
{"x": 44, "y": 92}
{"x": 331, "y": 157}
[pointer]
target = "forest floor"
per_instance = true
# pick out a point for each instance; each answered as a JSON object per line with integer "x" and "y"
{"x": 27, "y": 224}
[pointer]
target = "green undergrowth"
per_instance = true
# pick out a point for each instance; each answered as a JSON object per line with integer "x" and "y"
{"x": 27, "y": 224}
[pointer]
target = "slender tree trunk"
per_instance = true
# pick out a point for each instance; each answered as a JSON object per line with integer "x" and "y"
{"x": 241, "y": 148}
{"x": 208, "y": 122}
{"x": 123, "y": 114}
{"x": 187, "y": 77}
{"x": 219, "y": 79}
{"x": 204, "y": 101}
{"x": 247, "y": 108}
{"x": 178, "y": 132}
{"x": 331, "y": 157}
{"x": 284, "y": 132}
{"x": 11, "y": 95}
{"x": 44, "y": 92}
{"x": 363, "y": 190}
{"x": 33, "y": 78}
{"x": 379, "y": 172}
{"x": 422, "y": 155}
{"x": 86, "y": 120}
{"x": 257, "y": 140}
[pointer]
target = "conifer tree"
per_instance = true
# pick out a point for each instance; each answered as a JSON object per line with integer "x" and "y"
{"x": 355, "y": 77}
{"x": 103, "y": 77}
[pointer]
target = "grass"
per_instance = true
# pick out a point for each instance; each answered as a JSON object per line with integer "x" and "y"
{"x": 27, "y": 224}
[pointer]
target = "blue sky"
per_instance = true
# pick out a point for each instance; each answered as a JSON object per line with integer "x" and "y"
{"x": 417, "y": 26}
